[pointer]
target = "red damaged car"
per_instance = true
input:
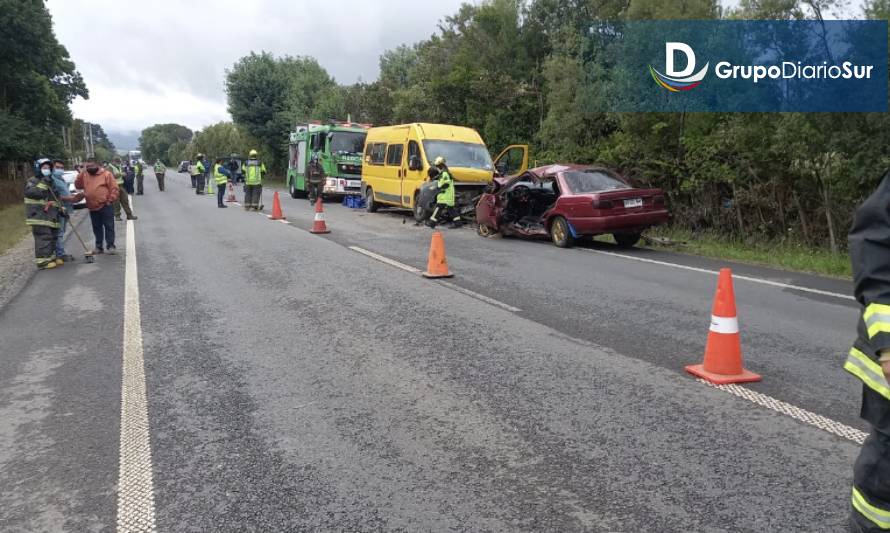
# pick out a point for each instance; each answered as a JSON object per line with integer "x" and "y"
{"x": 569, "y": 202}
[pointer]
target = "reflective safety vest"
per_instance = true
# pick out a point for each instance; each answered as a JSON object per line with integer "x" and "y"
{"x": 199, "y": 168}
{"x": 220, "y": 178}
{"x": 160, "y": 169}
{"x": 254, "y": 171}
{"x": 38, "y": 193}
{"x": 116, "y": 172}
{"x": 447, "y": 196}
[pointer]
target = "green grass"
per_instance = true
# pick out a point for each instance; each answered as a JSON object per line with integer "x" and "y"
{"x": 784, "y": 255}
{"x": 12, "y": 226}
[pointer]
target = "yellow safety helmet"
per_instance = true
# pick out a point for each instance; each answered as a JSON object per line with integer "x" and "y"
{"x": 439, "y": 161}
{"x": 252, "y": 153}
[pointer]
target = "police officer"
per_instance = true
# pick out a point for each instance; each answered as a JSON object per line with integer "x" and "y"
{"x": 123, "y": 200}
{"x": 160, "y": 174}
{"x": 254, "y": 172}
{"x": 444, "y": 210}
{"x": 140, "y": 177}
{"x": 315, "y": 177}
{"x": 869, "y": 358}
{"x": 42, "y": 214}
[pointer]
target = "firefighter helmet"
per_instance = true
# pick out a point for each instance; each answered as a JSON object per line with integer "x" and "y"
{"x": 252, "y": 153}
{"x": 440, "y": 161}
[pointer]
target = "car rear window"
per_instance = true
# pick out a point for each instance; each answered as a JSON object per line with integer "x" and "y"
{"x": 584, "y": 181}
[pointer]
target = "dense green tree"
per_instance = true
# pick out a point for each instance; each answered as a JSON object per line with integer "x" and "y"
{"x": 156, "y": 141}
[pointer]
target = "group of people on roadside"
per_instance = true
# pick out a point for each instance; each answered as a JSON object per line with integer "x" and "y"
{"x": 253, "y": 170}
{"x": 49, "y": 204}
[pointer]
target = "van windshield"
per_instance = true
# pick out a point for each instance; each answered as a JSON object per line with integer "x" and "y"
{"x": 347, "y": 142}
{"x": 458, "y": 154}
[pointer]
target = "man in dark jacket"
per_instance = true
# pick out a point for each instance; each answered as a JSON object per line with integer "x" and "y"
{"x": 42, "y": 214}
{"x": 869, "y": 358}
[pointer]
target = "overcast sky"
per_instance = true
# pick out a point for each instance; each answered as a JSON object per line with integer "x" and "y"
{"x": 148, "y": 62}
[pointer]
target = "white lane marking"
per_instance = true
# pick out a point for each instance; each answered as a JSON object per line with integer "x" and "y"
{"x": 135, "y": 500}
{"x": 282, "y": 220}
{"x": 481, "y": 297}
{"x": 808, "y": 417}
{"x": 452, "y": 286}
{"x": 236, "y": 203}
{"x": 382, "y": 259}
{"x": 734, "y": 276}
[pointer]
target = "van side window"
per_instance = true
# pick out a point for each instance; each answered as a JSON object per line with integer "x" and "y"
{"x": 377, "y": 153}
{"x": 394, "y": 155}
{"x": 413, "y": 150}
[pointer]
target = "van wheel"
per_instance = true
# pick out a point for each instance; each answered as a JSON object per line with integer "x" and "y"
{"x": 370, "y": 205}
{"x": 626, "y": 240}
{"x": 560, "y": 234}
{"x": 420, "y": 214}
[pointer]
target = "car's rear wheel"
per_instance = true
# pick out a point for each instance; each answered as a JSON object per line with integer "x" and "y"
{"x": 627, "y": 240}
{"x": 370, "y": 205}
{"x": 485, "y": 230}
{"x": 560, "y": 233}
{"x": 420, "y": 212}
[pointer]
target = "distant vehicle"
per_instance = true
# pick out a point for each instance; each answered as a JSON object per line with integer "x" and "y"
{"x": 69, "y": 176}
{"x": 567, "y": 203}
{"x": 184, "y": 166}
{"x": 397, "y": 159}
{"x": 339, "y": 147}
{"x": 134, "y": 156}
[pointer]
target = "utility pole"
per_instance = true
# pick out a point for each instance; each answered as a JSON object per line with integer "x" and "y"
{"x": 92, "y": 149}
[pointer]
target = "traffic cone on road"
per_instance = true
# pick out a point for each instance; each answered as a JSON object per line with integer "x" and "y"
{"x": 276, "y": 208}
{"x": 211, "y": 186}
{"x": 437, "y": 264}
{"x": 319, "y": 226}
{"x": 231, "y": 196}
{"x": 723, "y": 353}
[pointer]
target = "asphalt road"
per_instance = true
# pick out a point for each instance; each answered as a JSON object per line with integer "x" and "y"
{"x": 294, "y": 384}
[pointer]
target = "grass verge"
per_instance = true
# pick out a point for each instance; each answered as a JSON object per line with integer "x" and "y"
{"x": 784, "y": 255}
{"x": 12, "y": 226}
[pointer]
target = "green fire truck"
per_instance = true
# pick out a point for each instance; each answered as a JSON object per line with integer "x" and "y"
{"x": 338, "y": 146}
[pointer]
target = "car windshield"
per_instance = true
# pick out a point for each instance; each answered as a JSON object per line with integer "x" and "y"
{"x": 347, "y": 142}
{"x": 458, "y": 154}
{"x": 584, "y": 181}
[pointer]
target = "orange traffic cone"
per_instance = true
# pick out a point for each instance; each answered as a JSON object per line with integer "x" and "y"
{"x": 319, "y": 226}
{"x": 276, "y": 208}
{"x": 231, "y": 196}
{"x": 437, "y": 265}
{"x": 723, "y": 353}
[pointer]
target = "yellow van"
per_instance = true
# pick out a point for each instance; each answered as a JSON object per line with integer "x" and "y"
{"x": 397, "y": 158}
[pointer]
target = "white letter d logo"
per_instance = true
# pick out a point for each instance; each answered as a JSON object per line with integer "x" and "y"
{"x": 670, "y": 50}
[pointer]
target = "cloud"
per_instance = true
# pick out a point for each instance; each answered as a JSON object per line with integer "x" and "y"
{"x": 165, "y": 61}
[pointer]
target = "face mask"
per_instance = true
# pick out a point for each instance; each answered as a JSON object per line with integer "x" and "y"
{"x": 46, "y": 172}
{"x": 92, "y": 169}
{"x": 58, "y": 172}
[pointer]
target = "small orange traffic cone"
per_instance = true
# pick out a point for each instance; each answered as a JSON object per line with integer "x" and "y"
{"x": 437, "y": 264}
{"x": 231, "y": 196}
{"x": 723, "y": 354}
{"x": 276, "y": 208}
{"x": 319, "y": 226}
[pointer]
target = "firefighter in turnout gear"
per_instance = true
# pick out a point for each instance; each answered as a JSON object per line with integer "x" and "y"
{"x": 42, "y": 214}
{"x": 869, "y": 358}
{"x": 254, "y": 172}
{"x": 316, "y": 178}
{"x": 444, "y": 210}
{"x": 198, "y": 174}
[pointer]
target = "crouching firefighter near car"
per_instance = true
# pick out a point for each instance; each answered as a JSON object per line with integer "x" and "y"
{"x": 444, "y": 210}
{"x": 869, "y": 359}
{"x": 42, "y": 214}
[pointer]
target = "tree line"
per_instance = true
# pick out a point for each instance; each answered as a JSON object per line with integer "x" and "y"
{"x": 519, "y": 72}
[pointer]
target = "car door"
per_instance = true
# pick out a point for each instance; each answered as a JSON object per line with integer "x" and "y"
{"x": 512, "y": 161}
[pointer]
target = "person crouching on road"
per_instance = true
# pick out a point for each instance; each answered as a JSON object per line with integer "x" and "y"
{"x": 63, "y": 194}
{"x": 254, "y": 172}
{"x": 42, "y": 214}
{"x": 123, "y": 200}
{"x": 160, "y": 173}
{"x": 444, "y": 211}
{"x": 101, "y": 191}
{"x": 198, "y": 176}
{"x": 221, "y": 175}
